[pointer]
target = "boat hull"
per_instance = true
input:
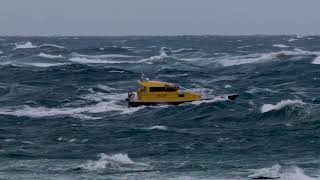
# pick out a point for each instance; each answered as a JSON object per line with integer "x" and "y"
{"x": 137, "y": 103}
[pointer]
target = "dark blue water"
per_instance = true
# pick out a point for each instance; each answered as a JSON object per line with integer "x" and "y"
{"x": 63, "y": 113}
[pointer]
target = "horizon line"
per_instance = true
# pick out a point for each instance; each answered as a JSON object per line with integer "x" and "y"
{"x": 153, "y": 35}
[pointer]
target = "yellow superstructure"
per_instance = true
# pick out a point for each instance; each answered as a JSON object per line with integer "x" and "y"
{"x": 154, "y": 92}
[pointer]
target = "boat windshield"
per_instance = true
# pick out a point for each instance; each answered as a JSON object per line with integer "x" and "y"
{"x": 164, "y": 89}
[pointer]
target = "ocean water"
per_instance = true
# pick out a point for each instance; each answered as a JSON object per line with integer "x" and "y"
{"x": 63, "y": 113}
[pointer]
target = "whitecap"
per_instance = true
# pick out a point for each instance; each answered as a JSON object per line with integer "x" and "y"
{"x": 258, "y": 90}
{"x": 270, "y": 107}
{"x": 182, "y": 50}
{"x": 292, "y": 39}
{"x": 102, "y": 56}
{"x": 106, "y": 87}
{"x": 173, "y": 75}
{"x": 72, "y": 140}
{"x": 115, "y": 71}
{"x": 26, "y": 45}
{"x": 119, "y": 161}
{"x": 163, "y": 128}
{"x": 41, "y": 64}
{"x": 280, "y": 46}
{"x": 50, "y": 56}
{"x": 27, "y": 142}
{"x": 94, "y": 61}
{"x": 227, "y": 86}
{"x": 52, "y": 45}
{"x": 84, "y": 60}
{"x": 316, "y": 60}
{"x": 162, "y": 55}
{"x": 9, "y": 140}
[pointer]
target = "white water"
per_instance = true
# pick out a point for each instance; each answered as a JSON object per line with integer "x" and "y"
{"x": 271, "y": 107}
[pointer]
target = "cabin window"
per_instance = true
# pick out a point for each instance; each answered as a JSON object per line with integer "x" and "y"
{"x": 163, "y": 89}
{"x": 181, "y": 95}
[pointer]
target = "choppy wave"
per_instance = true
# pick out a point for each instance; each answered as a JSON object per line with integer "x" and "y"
{"x": 270, "y": 107}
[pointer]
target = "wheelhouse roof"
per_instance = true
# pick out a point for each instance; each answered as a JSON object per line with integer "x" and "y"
{"x": 155, "y": 84}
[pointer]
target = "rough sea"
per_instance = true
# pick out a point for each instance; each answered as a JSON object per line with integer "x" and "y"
{"x": 63, "y": 113}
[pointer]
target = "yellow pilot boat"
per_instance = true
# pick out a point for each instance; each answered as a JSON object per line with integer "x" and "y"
{"x": 157, "y": 92}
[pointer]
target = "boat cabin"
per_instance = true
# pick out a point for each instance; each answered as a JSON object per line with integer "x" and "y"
{"x": 156, "y": 91}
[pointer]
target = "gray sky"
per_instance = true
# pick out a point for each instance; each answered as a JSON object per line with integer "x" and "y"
{"x": 159, "y": 17}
